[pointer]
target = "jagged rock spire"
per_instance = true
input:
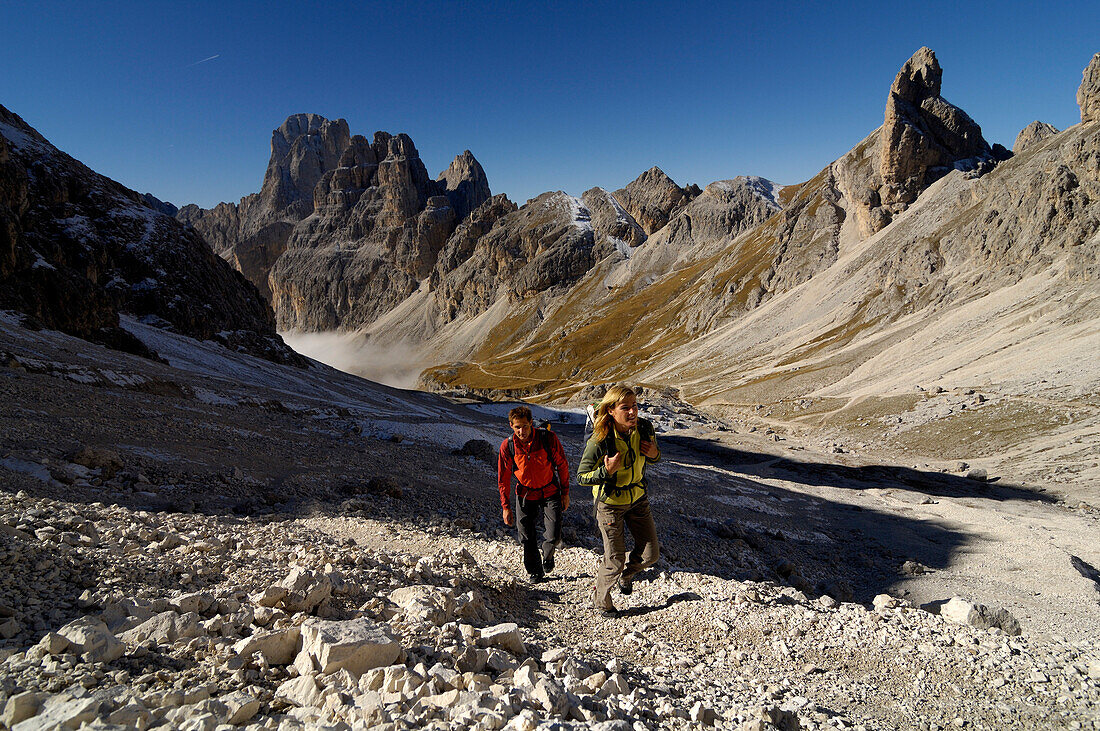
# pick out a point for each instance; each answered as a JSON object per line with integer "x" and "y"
{"x": 1088, "y": 94}
{"x": 923, "y": 134}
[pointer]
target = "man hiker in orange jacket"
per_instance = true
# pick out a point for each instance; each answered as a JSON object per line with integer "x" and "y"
{"x": 537, "y": 460}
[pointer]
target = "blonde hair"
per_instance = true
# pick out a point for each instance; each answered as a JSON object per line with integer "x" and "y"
{"x": 604, "y": 423}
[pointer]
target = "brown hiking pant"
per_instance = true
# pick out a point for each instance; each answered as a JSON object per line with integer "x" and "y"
{"x": 614, "y": 521}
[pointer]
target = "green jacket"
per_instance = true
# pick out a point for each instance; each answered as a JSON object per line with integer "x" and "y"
{"x": 631, "y": 474}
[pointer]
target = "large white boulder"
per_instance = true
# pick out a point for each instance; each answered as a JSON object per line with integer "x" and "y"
{"x": 90, "y": 637}
{"x": 432, "y": 604}
{"x": 505, "y": 636}
{"x": 356, "y": 645}
{"x": 164, "y": 628}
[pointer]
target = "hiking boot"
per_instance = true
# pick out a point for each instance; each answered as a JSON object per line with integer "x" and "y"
{"x": 536, "y": 578}
{"x": 612, "y": 613}
{"x": 625, "y": 587}
{"x": 548, "y": 564}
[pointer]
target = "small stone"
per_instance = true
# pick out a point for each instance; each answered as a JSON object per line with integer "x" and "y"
{"x": 882, "y": 602}
{"x": 426, "y": 603}
{"x": 960, "y": 611}
{"x": 20, "y": 707}
{"x": 615, "y": 685}
{"x": 197, "y": 602}
{"x": 702, "y": 715}
{"x": 305, "y": 590}
{"x": 301, "y": 691}
{"x": 269, "y": 597}
{"x": 277, "y": 647}
{"x": 559, "y": 653}
{"x": 241, "y": 706}
{"x": 911, "y": 568}
{"x": 505, "y": 636}
{"x": 53, "y": 643}
{"x": 164, "y": 628}
{"x": 9, "y": 628}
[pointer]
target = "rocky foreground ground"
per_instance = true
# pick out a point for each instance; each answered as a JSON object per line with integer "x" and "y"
{"x": 339, "y": 620}
{"x": 218, "y": 541}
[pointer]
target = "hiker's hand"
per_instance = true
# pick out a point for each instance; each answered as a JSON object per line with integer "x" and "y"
{"x": 649, "y": 449}
{"x": 564, "y": 502}
{"x": 508, "y": 516}
{"x": 612, "y": 464}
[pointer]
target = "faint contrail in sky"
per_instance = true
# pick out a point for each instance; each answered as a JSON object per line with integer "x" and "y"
{"x": 211, "y": 58}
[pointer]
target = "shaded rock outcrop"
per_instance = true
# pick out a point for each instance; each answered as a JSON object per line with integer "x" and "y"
{"x": 77, "y": 249}
{"x": 653, "y": 198}
{"x": 1032, "y": 134}
{"x": 610, "y": 219}
{"x": 1088, "y": 93}
{"x": 158, "y": 205}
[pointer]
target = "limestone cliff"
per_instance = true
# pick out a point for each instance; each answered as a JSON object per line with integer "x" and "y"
{"x": 343, "y": 228}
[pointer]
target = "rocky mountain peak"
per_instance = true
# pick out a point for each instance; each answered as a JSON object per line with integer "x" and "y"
{"x": 1032, "y": 134}
{"x": 1088, "y": 94}
{"x": 466, "y": 184}
{"x": 924, "y": 136}
{"x": 303, "y": 148}
{"x": 652, "y": 198}
{"x": 919, "y": 78}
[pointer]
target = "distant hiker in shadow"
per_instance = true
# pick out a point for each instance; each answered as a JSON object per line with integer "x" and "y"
{"x": 536, "y": 458}
{"x": 614, "y": 464}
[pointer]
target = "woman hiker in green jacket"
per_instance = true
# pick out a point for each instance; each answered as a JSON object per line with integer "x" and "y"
{"x": 614, "y": 464}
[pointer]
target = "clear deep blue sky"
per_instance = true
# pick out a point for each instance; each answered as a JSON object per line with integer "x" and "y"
{"x": 179, "y": 99}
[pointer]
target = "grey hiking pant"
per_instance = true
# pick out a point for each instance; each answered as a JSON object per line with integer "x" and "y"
{"x": 529, "y": 513}
{"x": 614, "y": 521}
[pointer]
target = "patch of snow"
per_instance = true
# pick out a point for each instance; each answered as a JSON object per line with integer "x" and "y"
{"x": 621, "y": 246}
{"x": 764, "y": 188}
{"x": 215, "y": 399}
{"x": 20, "y": 140}
{"x": 123, "y": 379}
{"x": 582, "y": 217}
{"x": 621, "y": 216}
{"x": 77, "y": 227}
{"x": 451, "y": 436}
{"x": 40, "y": 263}
{"x": 33, "y": 469}
{"x": 541, "y": 413}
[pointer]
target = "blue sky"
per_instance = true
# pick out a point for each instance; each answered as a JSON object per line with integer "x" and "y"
{"x": 179, "y": 99}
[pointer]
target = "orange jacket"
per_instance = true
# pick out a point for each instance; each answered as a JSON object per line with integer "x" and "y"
{"x": 534, "y": 468}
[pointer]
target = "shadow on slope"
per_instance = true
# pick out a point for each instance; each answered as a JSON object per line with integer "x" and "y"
{"x": 258, "y": 452}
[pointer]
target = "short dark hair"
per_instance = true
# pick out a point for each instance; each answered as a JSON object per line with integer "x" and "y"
{"x": 520, "y": 412}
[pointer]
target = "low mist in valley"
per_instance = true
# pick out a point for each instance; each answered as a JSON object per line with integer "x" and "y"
{"x": 396, "y": 365}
